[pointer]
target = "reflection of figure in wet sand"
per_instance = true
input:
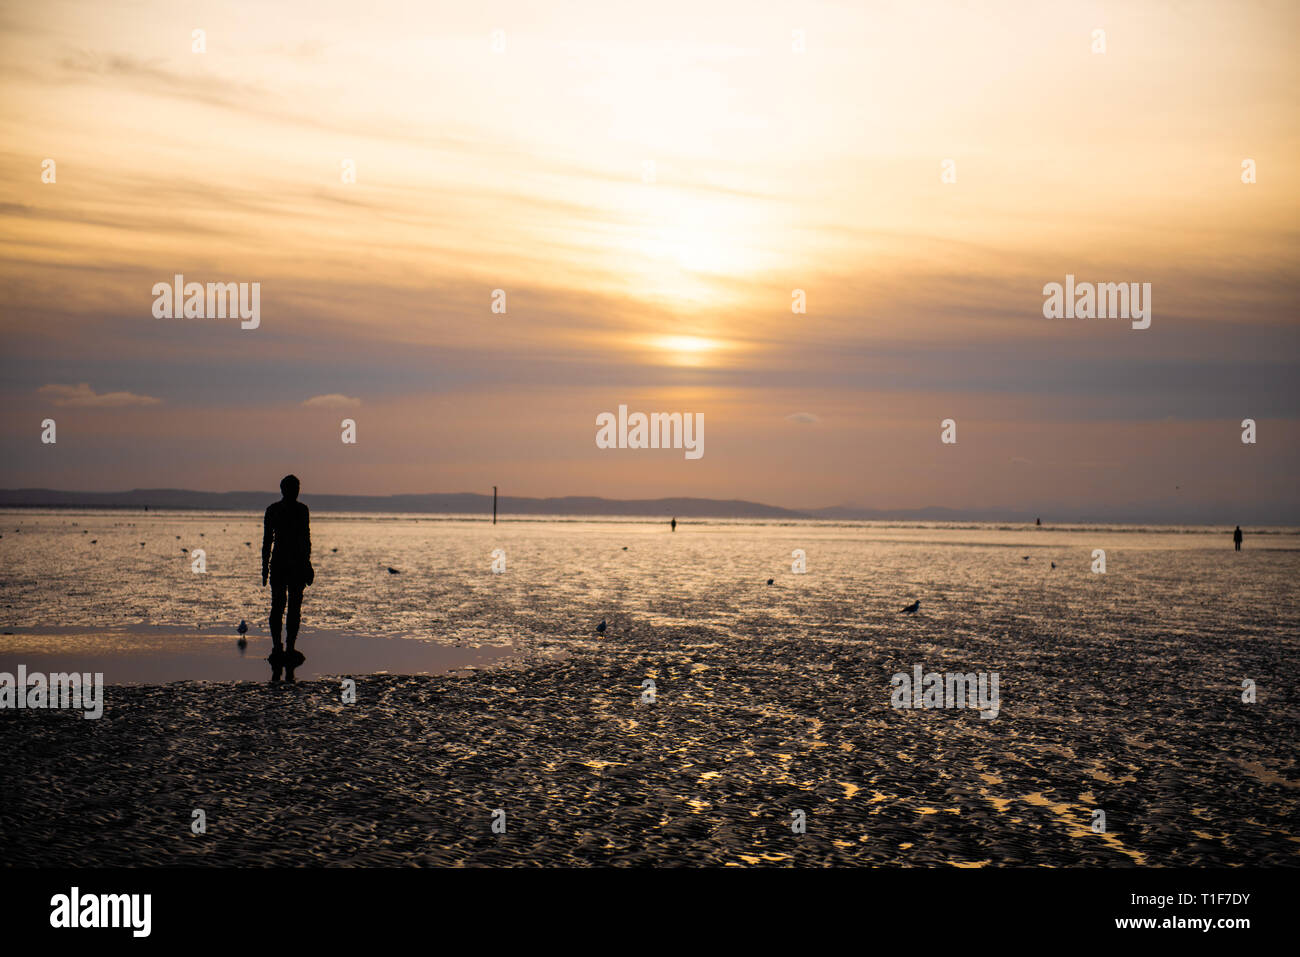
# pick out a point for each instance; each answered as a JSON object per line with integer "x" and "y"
{"x": 282, "y": 668}
{"x": 1236, "y": 539}
{"x": 286, "y": 559}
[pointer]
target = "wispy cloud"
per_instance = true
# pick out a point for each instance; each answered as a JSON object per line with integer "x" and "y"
{"x": 333, "y": 400}
{"x": 83, "y": 396}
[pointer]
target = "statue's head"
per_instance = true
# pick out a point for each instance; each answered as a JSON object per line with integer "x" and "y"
{"x": 289, "y": 487}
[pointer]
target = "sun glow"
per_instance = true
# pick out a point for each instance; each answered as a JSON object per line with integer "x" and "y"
{"x": 686, "y": 350}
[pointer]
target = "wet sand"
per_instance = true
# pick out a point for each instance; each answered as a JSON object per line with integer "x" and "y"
{"x": 745, "y": 731}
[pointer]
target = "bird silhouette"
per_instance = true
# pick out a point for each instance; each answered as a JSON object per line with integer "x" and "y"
{"x": 243, "y": 627}
{"x": 912, "y": 608}
{"x": 1053, "y": 564}
{"x": 94, "y": 541}
{"x": 771, "y": 581}
{"x": 334, "y": 549}
{"x": 600, "y": 629}
{"x": 1025, "y": 557}
{"x": 393, "y": 571}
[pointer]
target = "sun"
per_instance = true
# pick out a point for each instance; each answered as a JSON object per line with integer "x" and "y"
{"x": 684, "y": 350}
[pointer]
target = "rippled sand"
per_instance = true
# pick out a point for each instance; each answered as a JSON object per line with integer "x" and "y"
{"x": 1120, "y": 692}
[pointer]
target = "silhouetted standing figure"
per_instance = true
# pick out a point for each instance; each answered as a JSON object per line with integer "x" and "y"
{"x": 286, "y": 556}
{"x": 673, "y": 524}
{"x": 1236, "y": 539}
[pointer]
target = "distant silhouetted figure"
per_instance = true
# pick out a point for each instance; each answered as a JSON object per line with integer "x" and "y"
{"x": 673, "y": 524}
{"x": 1236, "y": 539}
{"x": 1038, "y": 521}
{"x": 286, "y": 556}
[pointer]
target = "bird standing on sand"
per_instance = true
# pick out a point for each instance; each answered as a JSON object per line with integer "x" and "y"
{"x": 393, "y": 571}
{"x": 912, "y": 608}
{"x": 600, "y": 629}
{"x": 243, "y": 630}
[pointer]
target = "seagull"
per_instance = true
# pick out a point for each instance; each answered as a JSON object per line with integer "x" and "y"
{"x": 912, "y": 608}
{"x": 393, "y": 571}
{"x": 600, "y": 629}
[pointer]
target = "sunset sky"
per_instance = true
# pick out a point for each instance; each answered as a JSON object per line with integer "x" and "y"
{"x": 522, "y": 169}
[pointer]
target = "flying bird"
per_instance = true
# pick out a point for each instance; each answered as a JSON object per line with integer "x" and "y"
{"x": 912, "y": 608}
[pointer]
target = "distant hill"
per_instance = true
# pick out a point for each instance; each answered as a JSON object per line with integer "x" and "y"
{"x": 461, "y": 503}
